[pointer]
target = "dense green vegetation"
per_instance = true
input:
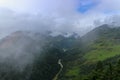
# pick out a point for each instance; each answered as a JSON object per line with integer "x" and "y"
{"x": 101, "y": 44}
{"x": 44, "y": 67}
{"x": 47, "y": 67}
{"x": 102, "y": 50}
{"x": 91, "y": 57}
{"x": 105, "y": 72}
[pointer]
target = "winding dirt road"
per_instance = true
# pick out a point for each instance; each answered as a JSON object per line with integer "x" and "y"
{"x": 56, "y": 76}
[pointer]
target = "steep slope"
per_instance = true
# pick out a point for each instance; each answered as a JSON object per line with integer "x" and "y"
{"x": 32, "y": 56}
{"x": 24, "y": 55}
{"x": 100, "y": 44}
{"x": 19, "y": 45}
{"x": 107, "y": 45}
{"x": 95, "y": 34}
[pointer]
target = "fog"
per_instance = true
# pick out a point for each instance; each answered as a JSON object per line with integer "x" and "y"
{"x": 62, "y": 16}
{"x": 11, "y": 21}
{"x": 20, "y": 49}
{"x": 56, "y": 16}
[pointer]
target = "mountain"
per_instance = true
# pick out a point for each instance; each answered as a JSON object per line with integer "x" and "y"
{"x": 20, "y": 53}
{"x": 35, "y": 56}
{"x": 18, "y": 45}
{"x": 100, "y": 44}
{"x": 95, "y": 33}
{"x": 32, "y": 56}
{"x": 107, "y": 41}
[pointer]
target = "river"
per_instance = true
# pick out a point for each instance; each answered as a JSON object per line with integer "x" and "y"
{"x": 61, "y": 65}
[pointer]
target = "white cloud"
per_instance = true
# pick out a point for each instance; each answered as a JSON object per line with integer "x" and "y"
{"x": 42, "y": 6}
{"x": 55, "y": 15}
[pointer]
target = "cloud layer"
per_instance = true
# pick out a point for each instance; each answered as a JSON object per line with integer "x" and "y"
{"x": 55, "y": 15}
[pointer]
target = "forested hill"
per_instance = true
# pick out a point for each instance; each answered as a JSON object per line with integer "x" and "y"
{"x": 35, "y": 56}
{"x": 32, "y": 56}
{"x": 100, "y": 44}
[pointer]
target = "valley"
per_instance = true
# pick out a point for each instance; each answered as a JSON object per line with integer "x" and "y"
{"x": 59, "y": 39}
{"x": 59, "y": 57}
{"x": 61, "y": 67}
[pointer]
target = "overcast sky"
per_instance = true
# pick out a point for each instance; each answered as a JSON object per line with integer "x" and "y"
{"x": 78, "y": 16}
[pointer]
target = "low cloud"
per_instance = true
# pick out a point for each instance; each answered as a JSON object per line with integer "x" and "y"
{"x": 56, "y": 16}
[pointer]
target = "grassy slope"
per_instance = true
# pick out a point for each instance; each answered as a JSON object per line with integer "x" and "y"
{"x": 105, "y": 47}
{"x": 102, "y": 50}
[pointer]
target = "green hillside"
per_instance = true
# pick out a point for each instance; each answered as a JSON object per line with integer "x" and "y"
{"x": 103, "y": 50}
{"x": 107, "y": 45}
{"x": 79, "y": 55}
{"x": 101, "y": 44}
